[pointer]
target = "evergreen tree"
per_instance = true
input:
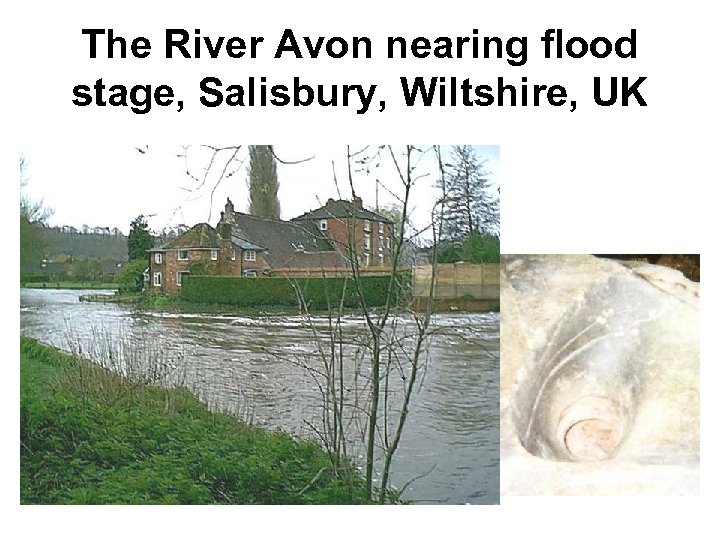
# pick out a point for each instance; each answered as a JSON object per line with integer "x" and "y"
{"x": 263, "y": 183}
{"x": 481, "y": 248}
{"x": 470, "y": 206}
{"x": 139, "y": 240}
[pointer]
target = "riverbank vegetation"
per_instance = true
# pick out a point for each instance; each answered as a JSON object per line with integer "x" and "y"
{"x": 89, "y": 436}
{"x": 79, "y": 285}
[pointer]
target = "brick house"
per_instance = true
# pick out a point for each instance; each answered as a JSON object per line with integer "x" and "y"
{"x": 243, "y": 245}
{"x": 284, "y": 246}
{"x": 198, "y": 250}
{"x": 348, "y": 225}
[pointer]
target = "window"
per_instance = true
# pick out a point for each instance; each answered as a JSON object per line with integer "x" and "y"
{"x": 250, "y": 255}
{"x": 213, "y": 254}
{"x": 381, "y": 229}
{"x": 367, "y": 241}
{"x": 181, "y": 277}
{"x": 232, "y": 254}
{"x": 182, "y": 255}
{"x": 367, "y": 259}
{"x": 367, "y": 225}
{"x": 158, "y": 258}
{"x": 323, "y": 224}
{"x": 382, "y": 261}
{"x": 250, "y": 273}
{"x": 157, "y": 279}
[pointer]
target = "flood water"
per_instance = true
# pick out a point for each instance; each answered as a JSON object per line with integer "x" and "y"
{"x": 261, "y": 369}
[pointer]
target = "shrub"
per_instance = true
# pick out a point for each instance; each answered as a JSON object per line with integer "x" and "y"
{"x": 160, "y": 301}
{"x": 130, "y": 277}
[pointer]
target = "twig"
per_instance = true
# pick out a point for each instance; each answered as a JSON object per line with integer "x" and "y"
{"x": 418, "y": 477}
{"x": 310, "y": 484}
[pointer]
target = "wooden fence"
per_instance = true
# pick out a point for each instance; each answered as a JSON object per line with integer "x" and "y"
{"x": 459, "y": 280}
{"x": 330, "y": 271}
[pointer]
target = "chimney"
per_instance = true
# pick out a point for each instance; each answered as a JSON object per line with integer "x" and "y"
{"x": 225, "y": 230}
{"x": 357, "y": 202}
{"x": 229, "y": 209}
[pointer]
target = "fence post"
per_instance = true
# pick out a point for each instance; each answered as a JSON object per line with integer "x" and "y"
{"x": 482, "y": 281}
{"x": 455, "y": 280}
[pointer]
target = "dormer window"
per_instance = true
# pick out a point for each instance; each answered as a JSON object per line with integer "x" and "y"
{"x": 322, "y": 224}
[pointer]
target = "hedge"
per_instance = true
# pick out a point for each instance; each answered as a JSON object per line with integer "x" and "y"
{"x": 34, "y": 278}
{"x": 283, "y": 291}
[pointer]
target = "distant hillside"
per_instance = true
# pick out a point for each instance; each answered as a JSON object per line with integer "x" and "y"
{"x": 94, "y": 245}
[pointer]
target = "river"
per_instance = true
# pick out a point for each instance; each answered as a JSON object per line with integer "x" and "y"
{"x": 257, "y": 368}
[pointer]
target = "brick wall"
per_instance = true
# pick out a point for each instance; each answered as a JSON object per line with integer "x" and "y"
{"x": 343, "y": 234}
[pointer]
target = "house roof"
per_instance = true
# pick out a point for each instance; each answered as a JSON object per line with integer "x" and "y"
{"x": 200, "y": 236}
{"x": 244, "y": 244}
{"x": 285, "y": 243}
{"x": 341, "y": 209}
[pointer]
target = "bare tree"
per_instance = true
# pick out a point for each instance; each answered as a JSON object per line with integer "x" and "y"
{"x": 366, "y": 381}
{"x": 34, "y": 211}
{"x": 389, "y": 356}
{"x": 33, "y": 219}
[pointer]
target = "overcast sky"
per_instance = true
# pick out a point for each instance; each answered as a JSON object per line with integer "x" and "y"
{"x": 107, "y": 186}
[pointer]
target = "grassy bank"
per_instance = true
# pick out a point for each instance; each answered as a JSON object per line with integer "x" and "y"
{"x": 80, "y": 285}
{"x": 88, "y": 436}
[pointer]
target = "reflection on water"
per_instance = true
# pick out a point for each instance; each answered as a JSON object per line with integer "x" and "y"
{"x": 252, "y": 367}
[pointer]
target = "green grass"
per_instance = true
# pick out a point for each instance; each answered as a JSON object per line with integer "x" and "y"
{"x": 88, "y": 436}
{"x": 70, "y": 285}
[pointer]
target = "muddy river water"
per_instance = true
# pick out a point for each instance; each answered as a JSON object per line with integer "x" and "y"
{"x": 253, "y": 367}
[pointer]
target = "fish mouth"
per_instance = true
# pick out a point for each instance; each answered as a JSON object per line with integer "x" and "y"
{"x": 591, "y": 428}
{"x": 578, "y": 403}
{"x": 600, "y": 378}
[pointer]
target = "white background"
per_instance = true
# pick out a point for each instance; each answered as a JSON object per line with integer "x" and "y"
{"x": 620, "y": 180}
